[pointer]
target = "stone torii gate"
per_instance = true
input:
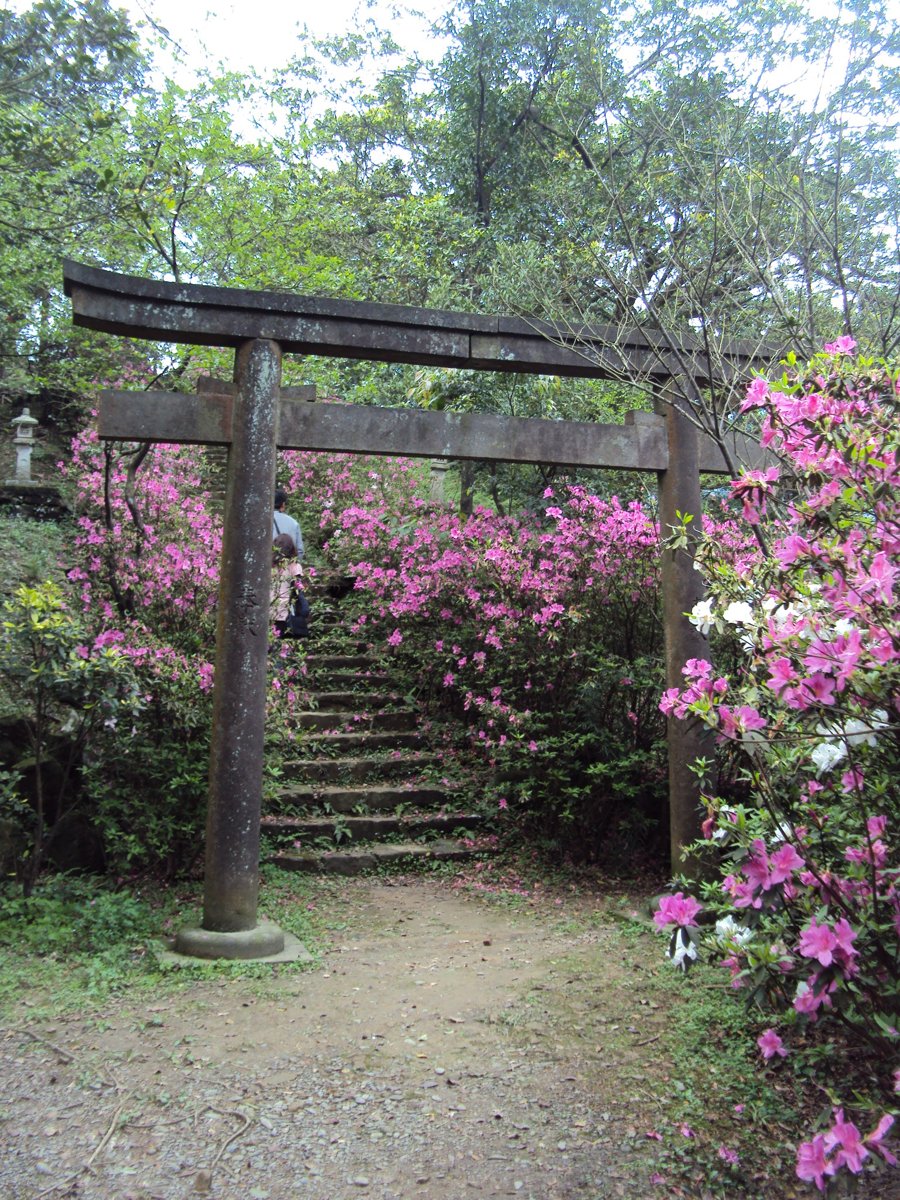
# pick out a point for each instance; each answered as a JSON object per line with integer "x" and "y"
{"x": 254, "y": 417}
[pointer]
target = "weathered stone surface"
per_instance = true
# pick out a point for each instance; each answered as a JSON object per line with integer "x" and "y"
{"x": 375, "y": 825}
{"x": 261, "y": 941}
{"x": 212, "y": 316}
{"x": 396, "y": 720}
{"x": 375, "y": 797}
{"x": 355, "y": 768}
{"x": 231, "y": 881}
{"x": 355, "y": 861}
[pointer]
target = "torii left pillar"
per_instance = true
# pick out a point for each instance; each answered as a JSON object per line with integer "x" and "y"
{"x": 231, "y": 928}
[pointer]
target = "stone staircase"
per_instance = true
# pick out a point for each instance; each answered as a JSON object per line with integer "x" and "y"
{"x": 369, "y": 789}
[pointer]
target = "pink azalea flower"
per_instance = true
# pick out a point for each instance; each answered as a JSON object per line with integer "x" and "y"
{"x": 876, "y": 826}
{"x": 783, "y": 862}
{"x": 875, "y": 1138}
{"x": 842, "y": 345}
{"x": 844, "y": 935}
{"x": 756, "y": 394}
{"x": 817, "y": 689}
{"x": 845, "y": 1135}
{"x": 669, "y": 700}
{"x": 818, "y": 942}
{"x": 812, "y": 1165}
{"x": 809, "y": 999}
{"x": 676, "y": 910}
{"x": 771, "y": 1044}
{"x": 782, "y": 674}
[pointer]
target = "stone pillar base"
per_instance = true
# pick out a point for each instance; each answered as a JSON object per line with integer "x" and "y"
{"x": 263, "y": 941}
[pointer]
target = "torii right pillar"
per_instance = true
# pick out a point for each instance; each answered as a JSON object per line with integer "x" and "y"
{"x": 682, "y": 586}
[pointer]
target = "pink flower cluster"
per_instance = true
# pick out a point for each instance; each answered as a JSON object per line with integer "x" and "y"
{"x": 812, "y": 710}
{"x": 677, "y": 910}
{"x": 162, "y": 566}
{"x": 841, "y": 1146}
{"x": 517, "y": 599}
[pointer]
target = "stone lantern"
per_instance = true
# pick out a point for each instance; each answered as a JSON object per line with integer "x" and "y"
{"x": 439, "y": 469}
{"x": 24, "y": 444}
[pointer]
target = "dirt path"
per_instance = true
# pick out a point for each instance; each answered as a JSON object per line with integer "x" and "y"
{"x": 445, "y": 1048}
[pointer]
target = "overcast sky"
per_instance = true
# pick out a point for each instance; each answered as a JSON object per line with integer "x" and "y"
{"x": 260, "y": 34}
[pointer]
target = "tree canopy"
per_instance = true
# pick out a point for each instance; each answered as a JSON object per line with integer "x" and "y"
{"x": 729, "y": 171}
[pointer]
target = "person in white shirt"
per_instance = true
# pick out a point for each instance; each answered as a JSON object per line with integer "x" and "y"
{"x": 282, "y": 523}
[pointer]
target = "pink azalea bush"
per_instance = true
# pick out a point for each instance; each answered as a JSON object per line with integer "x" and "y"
{"x": 807, "y": 842}
{"x": 148, "y": 540}
{"x": 378, "y": 494}
{"x": 144, "y": 566}
{"x": 540, "y": 631}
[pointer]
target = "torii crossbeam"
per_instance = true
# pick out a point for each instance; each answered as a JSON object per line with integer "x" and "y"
{"x": 254, "y": 416}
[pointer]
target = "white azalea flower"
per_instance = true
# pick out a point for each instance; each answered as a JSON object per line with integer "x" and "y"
{"x": 858, "y": 732}
{"x": 701, "y": 616}
{"x": 781, "y": 833}
{"x": 784, "y": 613}
{"x": 728, "y": 930}
{"x": 827, "y": 755}
{"x": 855, "y": 731}
{"x": 738, "y": 612}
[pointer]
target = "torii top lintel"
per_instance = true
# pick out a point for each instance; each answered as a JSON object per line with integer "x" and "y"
{"x": 136, "y": 307}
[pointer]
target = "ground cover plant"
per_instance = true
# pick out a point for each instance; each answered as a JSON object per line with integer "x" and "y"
{"x": 82, "y": 939}
{"x": 806, "y": 898}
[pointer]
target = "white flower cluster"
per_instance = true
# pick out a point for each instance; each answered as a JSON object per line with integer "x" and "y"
{"x": 703, "y": 617}
{"x": 842, "y": 735}
{"x": 739, "y": 613}
{"x": 731, "y": 933}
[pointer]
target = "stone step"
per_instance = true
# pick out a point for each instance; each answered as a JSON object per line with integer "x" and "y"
{"x": 350, "y": 700}
{"x": 364, "y": 829}
{"x": 358, "y": 799}
{"x": 360, "y": 743}
{"x": 371, "y": 798}
{"x": 328, "y": 583}
{"x": 399, "y": 720}
{"x": 349, "y": 679}
{"x": 340, "y": 662}
{"x": 363, "y": 858}
{"x": 356, "y": 769}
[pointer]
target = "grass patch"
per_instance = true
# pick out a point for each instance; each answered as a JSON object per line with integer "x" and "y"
{"x": 726, "y": 1125}
{"x": 79, "y": 942}
{"x": 30, "y": 551}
